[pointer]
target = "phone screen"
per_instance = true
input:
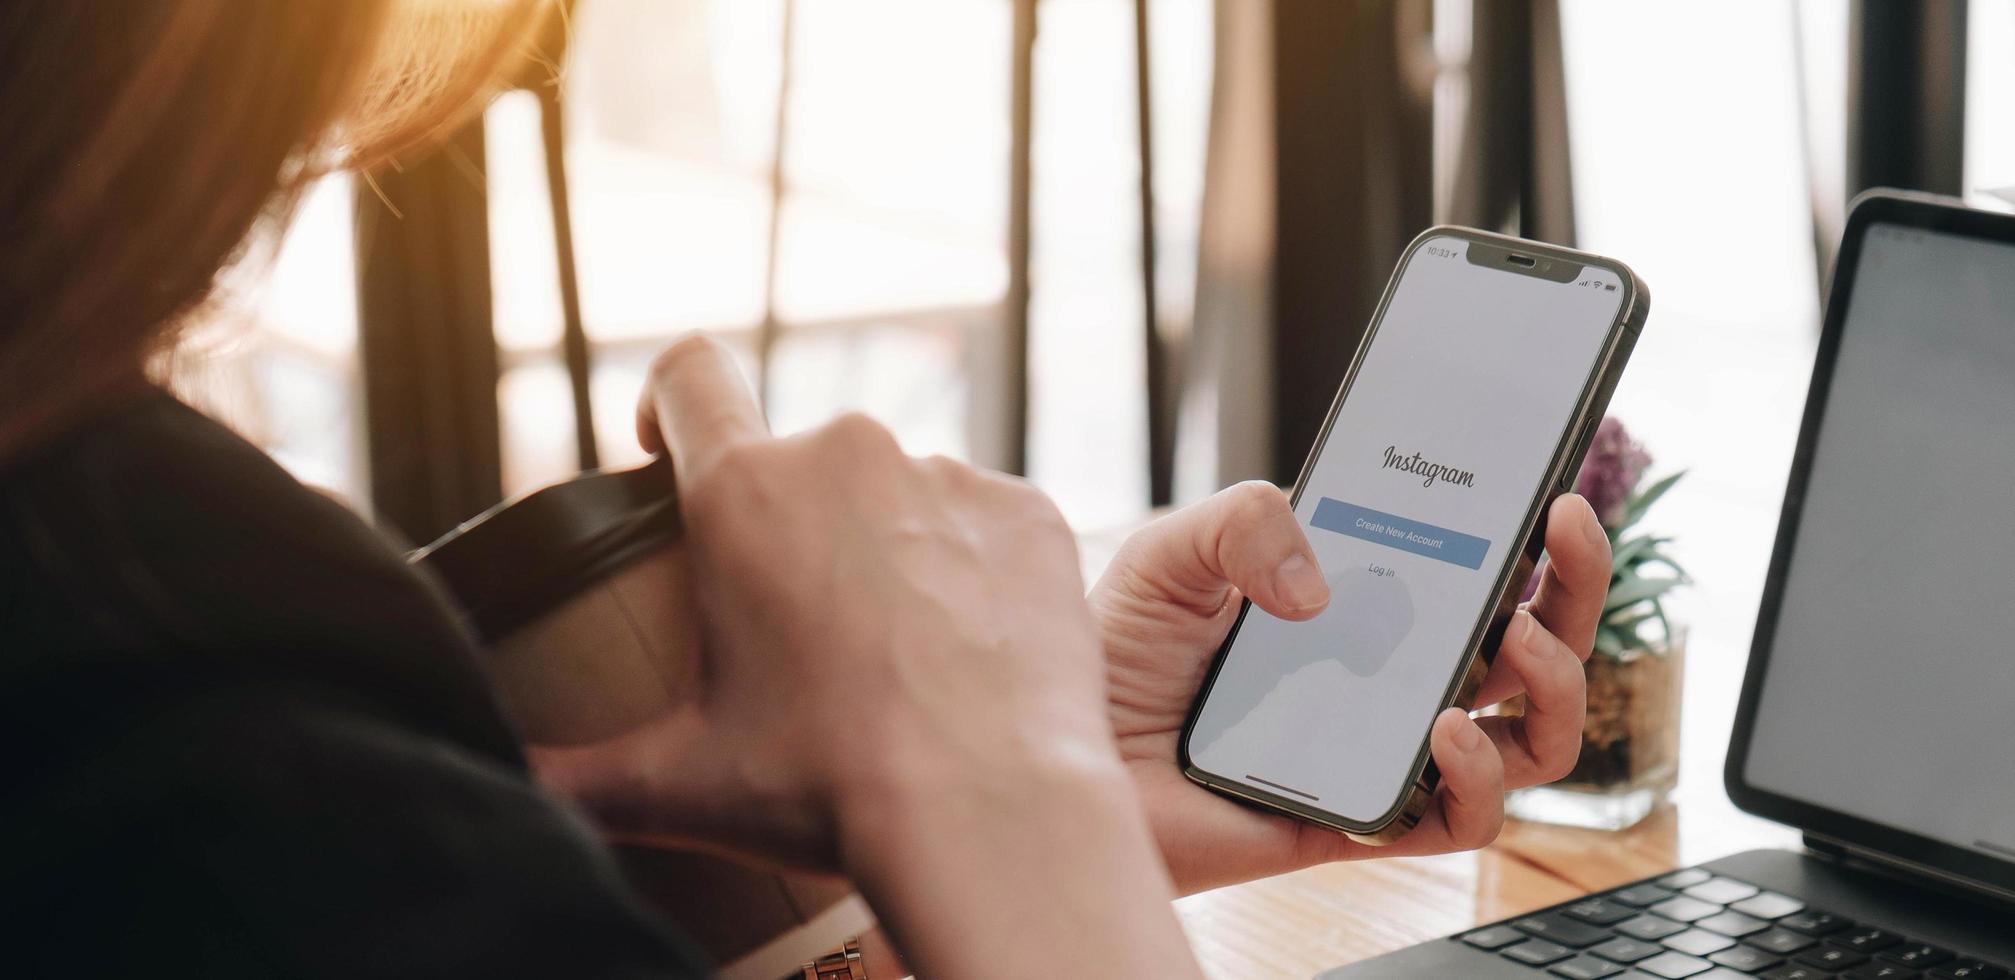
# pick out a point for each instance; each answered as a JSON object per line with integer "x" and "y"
{"x": 1414, "y": 505}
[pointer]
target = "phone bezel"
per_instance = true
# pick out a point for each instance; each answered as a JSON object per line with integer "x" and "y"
{"x": 1593, "y": 399}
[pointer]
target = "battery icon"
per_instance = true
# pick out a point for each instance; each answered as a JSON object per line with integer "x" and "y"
{"x": 1609, "y": 288}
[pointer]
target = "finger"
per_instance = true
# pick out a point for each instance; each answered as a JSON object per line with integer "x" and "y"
{"x": 696, "y": 406}
{"x": 1541, "y": 745}
{"x": 1245, "y": 537}
{"x": 1500, "y": 684}
{"x": 1576, "y": 580}
{"x": 1468, "y": 808}
{"x": 1503, "y": 681}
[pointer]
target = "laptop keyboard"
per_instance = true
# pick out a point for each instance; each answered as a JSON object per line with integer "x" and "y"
{"x": 1697, "y": 925}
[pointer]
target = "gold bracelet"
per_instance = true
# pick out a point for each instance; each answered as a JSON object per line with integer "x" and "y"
{"x": 843, "y": 963}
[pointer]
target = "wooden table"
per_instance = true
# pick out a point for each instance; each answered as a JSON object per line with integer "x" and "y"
{"x": 1299, "y": 924}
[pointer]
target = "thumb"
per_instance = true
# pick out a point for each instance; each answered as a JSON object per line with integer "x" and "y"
{"x": 1245, "y": 537}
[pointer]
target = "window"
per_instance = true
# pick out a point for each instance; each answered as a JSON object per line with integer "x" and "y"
{"x": 890, "y": 267}
{"x": 1696, "y": 176}
{"x": 1990, "y": 93}
{"x": 279, "y": 362}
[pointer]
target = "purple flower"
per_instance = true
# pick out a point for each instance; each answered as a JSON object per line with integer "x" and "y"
{"x": 1614, "y": 464}
{"x": 1608, "y": 478}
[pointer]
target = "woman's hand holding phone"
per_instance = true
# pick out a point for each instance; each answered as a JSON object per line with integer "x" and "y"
{"x": 903, "y": 682}
{"x": 1166, "y": 602}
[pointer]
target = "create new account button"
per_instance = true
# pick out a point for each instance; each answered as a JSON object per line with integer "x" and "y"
{"x": 1394, "y": 531}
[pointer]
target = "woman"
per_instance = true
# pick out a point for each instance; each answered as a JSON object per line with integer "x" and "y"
{"x": 251, "y": 741}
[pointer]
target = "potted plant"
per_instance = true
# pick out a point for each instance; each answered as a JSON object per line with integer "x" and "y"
{"x": 1629, "y": 757}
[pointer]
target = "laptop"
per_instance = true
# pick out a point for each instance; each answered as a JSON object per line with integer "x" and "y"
{"x": 1878, "y": 711}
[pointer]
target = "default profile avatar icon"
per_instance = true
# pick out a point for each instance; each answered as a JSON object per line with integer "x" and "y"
{"x": 1375, "y": 610}
{"x": 1370, "y": 614}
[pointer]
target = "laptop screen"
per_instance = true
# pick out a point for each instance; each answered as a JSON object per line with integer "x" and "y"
{"x": 1890, "y": 689}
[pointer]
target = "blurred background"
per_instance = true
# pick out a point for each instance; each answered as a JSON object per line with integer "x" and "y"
{"x": 1124, "y": 247}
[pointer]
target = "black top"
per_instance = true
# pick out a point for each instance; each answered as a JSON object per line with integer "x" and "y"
{"x": 244, "y": 738}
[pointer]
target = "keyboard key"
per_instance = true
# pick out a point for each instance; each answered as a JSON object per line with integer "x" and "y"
{"x": 1585, "y": 968}
{"x": 1722, "y": 891}
{"x": 1683, "y": 909}
{"x": 1832, "y": 958}
{"x": 1721, "y": 973}
{"x": 1780, "y": 941}
{"x": 1624, "y": 950}
{"x": 1641, "y": 895}
{"x": 1596, "y": 911}
{"x": 1968, "y": 970}
{"x": 1537, "y": 952}
{"x": 1865, "y": 939}
{"x": 1747, "y": 958}
{"x": 1684, "y": 879}
{"x": 1916, "y": 956}
{"x": 1881, "y": 971}
{"x": 1698, "y": 942}
{"x": 1815, "y": 923}
{"x": 1797, "y": 971}
{"x": 1649, "y": 928}
{"x": 1733, "y": 924}
{"x": 1495, "y": 937}
{"x": 1768, "y": 905}
{"x": 1566, "y": 932}
{"x": 1674, "y": 966}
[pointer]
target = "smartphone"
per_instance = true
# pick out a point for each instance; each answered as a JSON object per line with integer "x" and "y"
{"x": 1464, "y": 412}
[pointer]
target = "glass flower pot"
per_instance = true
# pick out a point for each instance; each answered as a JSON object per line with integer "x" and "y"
{"x": 1629, "y": 759}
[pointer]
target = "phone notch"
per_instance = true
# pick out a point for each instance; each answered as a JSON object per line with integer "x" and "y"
{"x": 1491, "y": 255}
